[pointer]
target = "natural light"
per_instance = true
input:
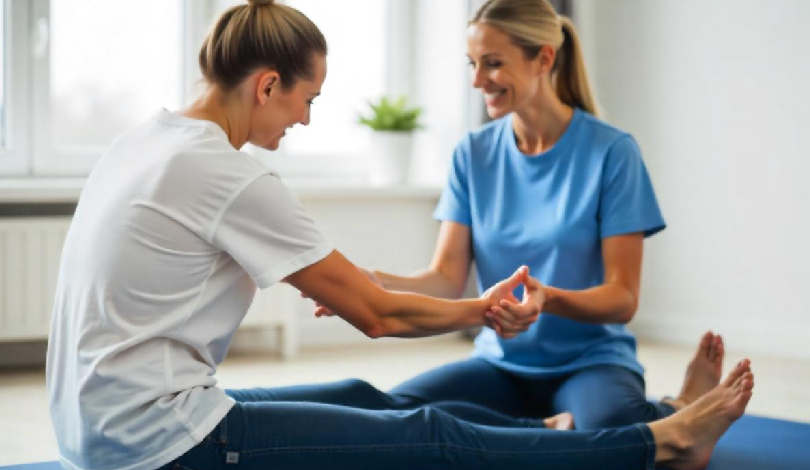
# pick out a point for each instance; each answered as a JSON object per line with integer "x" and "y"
{"x": 356, "y": 73}
{"x": 113, "y": 64}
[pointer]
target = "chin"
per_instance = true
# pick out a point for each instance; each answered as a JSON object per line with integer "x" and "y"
{"x": 497, "y": 113}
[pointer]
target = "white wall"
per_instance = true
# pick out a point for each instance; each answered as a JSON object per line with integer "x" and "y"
{"x": 718, "y": 95}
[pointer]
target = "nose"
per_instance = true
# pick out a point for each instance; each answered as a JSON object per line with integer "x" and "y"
{"x": 305, "y": 121}
{"x": 478, "y": 77}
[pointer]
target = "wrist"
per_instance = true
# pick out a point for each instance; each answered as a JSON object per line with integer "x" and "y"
{"x": 553, "y": 299}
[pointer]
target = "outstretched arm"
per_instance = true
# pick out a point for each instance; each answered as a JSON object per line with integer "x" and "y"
{"x": 446, "y": 277}
{"x": 338, "y": 285}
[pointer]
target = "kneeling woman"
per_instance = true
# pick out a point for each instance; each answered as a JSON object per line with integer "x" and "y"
{"x": 173, "y": 232}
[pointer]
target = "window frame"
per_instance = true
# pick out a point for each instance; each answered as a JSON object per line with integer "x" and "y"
{"x": 15, "y": 158}
{"x": 32, "y": 153}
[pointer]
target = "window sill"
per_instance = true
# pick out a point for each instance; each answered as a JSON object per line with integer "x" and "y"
{"x": 67, "y": 190}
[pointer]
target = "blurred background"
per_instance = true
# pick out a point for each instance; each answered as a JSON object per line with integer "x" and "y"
{"x": 715, "y": 91}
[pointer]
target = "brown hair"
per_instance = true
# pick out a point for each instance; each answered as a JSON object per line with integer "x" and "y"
{"x": 532, "y": 24}
{"x": 260, "y": 34}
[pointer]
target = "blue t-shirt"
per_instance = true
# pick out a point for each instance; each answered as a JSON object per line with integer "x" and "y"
{"x": 551, "y": 212}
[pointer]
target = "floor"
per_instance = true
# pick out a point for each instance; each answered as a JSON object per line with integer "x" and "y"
{"x": 25, "y": 434}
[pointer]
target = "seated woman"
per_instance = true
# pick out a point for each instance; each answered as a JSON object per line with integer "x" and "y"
{"x": 174, "y": 230}
{"x": 548, "y": 184}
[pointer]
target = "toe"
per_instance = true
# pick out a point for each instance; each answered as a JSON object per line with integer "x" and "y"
{"x": 705, "y": 344}
{"x": 741, "y": 368}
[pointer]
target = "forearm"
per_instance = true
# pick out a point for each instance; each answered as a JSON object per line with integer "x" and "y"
{"x": 406, "y": 314}
{"x": 607, "y": 303}
{"x": 428, "y": 282}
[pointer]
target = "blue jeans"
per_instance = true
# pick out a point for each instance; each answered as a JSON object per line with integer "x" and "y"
{"x": 599, "y": 397}
{"x": 261, "y": 433}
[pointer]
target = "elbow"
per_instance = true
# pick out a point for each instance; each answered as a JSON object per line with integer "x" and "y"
{"x": 375, "y": 331}
{"x": 626, "y": 316}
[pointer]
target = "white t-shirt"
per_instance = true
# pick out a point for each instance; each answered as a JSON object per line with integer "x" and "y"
{"x": 173, "y": 232}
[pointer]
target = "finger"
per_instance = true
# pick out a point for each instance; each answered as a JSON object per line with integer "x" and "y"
{"x": 518, "y": 310}
{"x": 509, "y": 325}
{"x": 322, "y": 311}
{"x": 517, "y": 278}
{"x": 503, "y": 313}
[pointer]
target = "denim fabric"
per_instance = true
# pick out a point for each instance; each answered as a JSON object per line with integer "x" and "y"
{"x": 599, "y": 397}
{"x": 262, "y": 434}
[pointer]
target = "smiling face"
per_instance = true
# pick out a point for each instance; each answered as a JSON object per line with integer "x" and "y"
{"x": 278, "y": 109}
{"x": 500, "y": 69}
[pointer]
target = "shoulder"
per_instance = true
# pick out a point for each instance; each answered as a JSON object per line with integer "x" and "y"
{"x": 482, "y": 140}
{"x": 607, "y": 141}
{"x": 488, "y": 135}
{"x": 602, "y": 134}
{"x": 208, "y": 157}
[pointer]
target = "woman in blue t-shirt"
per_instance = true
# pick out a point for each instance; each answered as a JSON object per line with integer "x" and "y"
{"x": 549, "y": 185}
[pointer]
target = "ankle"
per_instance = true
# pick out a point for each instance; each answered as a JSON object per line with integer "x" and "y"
{"x": 671, "y": 439}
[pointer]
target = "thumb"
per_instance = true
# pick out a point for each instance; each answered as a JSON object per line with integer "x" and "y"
{"x": 519, "y": 277}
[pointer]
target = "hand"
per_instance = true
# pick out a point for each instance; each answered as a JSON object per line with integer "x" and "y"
{"x": 322, "y": 311}
{"x": 509, "y": 317}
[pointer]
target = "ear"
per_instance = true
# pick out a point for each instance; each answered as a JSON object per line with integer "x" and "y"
{"x": 546, "y": 58}
{"x": 267, "y": 83}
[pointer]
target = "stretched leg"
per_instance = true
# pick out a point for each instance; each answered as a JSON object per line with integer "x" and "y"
{"x": 607, "y": 397}
{"x": 259, "y": 435}
{"x": 360, "y": 394}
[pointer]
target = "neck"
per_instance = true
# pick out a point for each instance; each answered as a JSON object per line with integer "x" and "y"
{"x": 537, "y": 128}
{"x": 223, "y": 109}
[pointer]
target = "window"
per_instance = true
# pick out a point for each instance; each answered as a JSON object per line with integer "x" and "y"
{"x": 110, "y": 66}
{"x": 76, "y": 73}
{"x": 357, "y": 64}
{"x": 3, "y": 117}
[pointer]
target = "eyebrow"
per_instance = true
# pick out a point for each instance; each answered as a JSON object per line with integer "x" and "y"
{"x": 488, "y": 55}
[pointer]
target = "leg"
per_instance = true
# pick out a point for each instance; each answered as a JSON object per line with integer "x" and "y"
{"x": 473, "y": 381}
{"x": 607, "y": 397}
{"x": 357, "y": 393}
{"x": 260, "y": 435}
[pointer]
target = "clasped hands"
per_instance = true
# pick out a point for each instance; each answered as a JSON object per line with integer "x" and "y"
{"x": 507, "y": 315}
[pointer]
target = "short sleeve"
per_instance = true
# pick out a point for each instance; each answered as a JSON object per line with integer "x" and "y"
{"x": 454, "y": 204}
{"x": 266, "y": 230}
{"x": 627, "y": 202}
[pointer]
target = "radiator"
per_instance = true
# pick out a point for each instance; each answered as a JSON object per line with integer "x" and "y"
{"x": 30, "y": 249}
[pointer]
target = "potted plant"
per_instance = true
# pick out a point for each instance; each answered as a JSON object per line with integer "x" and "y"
{"x": 392, "y": 123}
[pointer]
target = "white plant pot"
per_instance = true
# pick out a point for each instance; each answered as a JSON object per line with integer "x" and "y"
{"x": 390, "y": 158}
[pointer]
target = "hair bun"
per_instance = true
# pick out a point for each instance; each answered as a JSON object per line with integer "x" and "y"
{"x": 259, "y": 3}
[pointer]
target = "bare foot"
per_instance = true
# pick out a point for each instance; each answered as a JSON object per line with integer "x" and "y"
{"x": 561, "y": 422}
{"x": 685, "y": 440}
{"x": 703, "y": 372}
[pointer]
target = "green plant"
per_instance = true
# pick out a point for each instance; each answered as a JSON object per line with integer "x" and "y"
{"x": 392, "y": 116}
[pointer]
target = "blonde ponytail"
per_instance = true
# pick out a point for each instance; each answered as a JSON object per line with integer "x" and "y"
{"x": 571, "y": 79}
{"x": 532, "y": 24}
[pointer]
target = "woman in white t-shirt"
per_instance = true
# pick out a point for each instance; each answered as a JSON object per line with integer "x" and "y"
{"x": 173, "y": 232}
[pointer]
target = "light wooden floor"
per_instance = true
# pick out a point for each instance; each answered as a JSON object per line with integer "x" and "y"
{"x": 26, "y": 436}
